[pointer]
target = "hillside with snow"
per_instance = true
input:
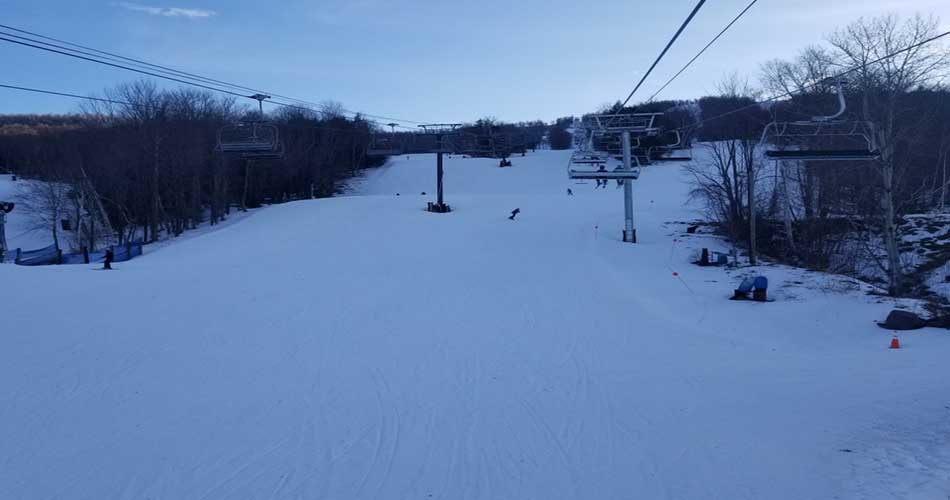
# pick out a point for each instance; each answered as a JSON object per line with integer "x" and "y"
{"x": 360, "y": 347}
{"x": 21, "y": 232}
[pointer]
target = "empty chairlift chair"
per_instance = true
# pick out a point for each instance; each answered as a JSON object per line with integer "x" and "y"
{"x": 823, "y": 138}
{"x": 639, "y": 124}
{"x": 667, "y": 143}
{"x": 251, "y": 140}
{"x": 384, "y": 145}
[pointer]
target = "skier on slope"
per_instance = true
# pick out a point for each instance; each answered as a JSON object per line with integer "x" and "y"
{"x": 107, "y": 263}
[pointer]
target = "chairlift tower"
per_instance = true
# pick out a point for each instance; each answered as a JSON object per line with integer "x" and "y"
{"x": 627, "y": 126}
{"x": 5, "y": 208}
{"x": 439, "y": 131}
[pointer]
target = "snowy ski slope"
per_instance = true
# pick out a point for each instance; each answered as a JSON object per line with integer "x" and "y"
{"x": 361, "y": 348}
{"x": 18, "y": 227}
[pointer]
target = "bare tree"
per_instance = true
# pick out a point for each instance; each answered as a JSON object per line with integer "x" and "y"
{"x": 883, "y": 86}
{"x": 719, "y": 187}
{"x": 812, "y": 65}
{"x": 46, "y": 203}
{"x": 332, "y": 109}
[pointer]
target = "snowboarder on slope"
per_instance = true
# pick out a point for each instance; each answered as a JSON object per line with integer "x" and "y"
{"x": 107, "y": 264}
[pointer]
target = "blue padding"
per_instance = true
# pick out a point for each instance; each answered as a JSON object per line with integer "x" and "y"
{"x": 746, "y": 285}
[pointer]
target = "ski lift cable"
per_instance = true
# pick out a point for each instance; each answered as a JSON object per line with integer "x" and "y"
{"x": 48, "y": 49}
{"x": 164, "y": 69}
{"x": 138, "y": 62}
{"x": 159, "y": 71}
{"x": 810, "y": 86}
{"x": 93, "y": 52}
{"x": 704, "y": 49}
{"x": 146, "y": 106}
{"x": 664, "y": 51}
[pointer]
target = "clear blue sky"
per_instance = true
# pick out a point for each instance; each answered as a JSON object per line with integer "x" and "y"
{"x": 424, "y": 60}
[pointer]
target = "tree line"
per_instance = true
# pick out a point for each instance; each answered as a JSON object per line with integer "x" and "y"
{"x": 143, "y": 163}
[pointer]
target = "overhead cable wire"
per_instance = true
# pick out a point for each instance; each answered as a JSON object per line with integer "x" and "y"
{"x": 158, "y": 71}
{"x": 659, "y": 58}
{"x": 139, "y": 105}
{"x": 812, "y": 85}
{"x": 701, "y": 52}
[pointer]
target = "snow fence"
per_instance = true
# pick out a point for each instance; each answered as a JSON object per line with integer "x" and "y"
{"x": 42, "y": 257}
{"x": 52, "y": 255}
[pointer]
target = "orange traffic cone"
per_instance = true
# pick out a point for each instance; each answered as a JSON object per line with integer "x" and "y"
{"x": 895, "y": 344}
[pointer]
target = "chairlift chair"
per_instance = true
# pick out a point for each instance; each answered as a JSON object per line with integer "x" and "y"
{"x": 639, "y": 124}
{"x": 250, "y": 140}
{"x": 665, "y": 149}
{"x": 590, "y": 155}
{"x": 808, "y": 140}
{"x": 384, "y": 145}
{"x": 596, "y": 168}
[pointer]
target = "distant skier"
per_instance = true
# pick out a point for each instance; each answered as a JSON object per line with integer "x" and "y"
{"x": 602, "y": 182}
{"x": 107, "y": 264}
{"x": 514, "y": 213}
{"x": 569, "y": 192}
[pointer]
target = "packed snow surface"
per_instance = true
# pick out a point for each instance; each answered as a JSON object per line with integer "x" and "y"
{"x": 362, "y": 348}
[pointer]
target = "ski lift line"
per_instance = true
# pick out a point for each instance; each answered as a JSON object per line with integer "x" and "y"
{"x": 145, "y": 106}
{"x": 138, "y": 62}
{"x": 701, "y": 52}
{"x": 91, "y": 52}
{"x": 669, "y": 44}
{"x": 203, "y": 82}
{"x": 90, "y": 59}
{"x": 75, "y": 96}
{"x": 164, "y": 69}
{"x": 149, "y": 73}
{"x": 839, "y": 76}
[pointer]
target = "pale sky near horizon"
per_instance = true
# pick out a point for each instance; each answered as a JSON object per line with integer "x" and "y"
{"x": 423, "y": 60}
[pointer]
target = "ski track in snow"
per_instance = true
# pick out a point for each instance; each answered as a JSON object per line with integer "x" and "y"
{"x": 367, "y": 349}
